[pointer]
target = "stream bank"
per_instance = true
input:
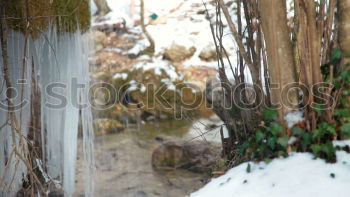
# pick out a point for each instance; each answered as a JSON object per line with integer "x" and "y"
{"x": 123, "y": 161}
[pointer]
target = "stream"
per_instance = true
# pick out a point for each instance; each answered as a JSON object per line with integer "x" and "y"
{"x": 124, "y": 167}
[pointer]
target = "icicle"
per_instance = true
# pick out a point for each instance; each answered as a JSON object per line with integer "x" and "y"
{"x": 57, "y": 58}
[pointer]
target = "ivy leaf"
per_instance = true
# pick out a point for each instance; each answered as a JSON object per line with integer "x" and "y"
{"x": 336, "y": 55}
{"x": 307, "y": 139}
{"x": 325, "y": 128}
{"x": 317, "y": 133}
{"x": 328, "y": 148}
{"x": 346, "y": 129}
{"x": 283, "y": 141}
{"x": 271, "y": 142}
{"x": 260, "y": 136}
{"x": 275, "y": 128}
{"x": 316, "y": 149}
{"x": 297, "y": 131}
{"x": 270, "y": 114}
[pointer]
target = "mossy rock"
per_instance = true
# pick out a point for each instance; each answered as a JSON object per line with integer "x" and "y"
{"x": 177, "y": 53}
{"x": 151, "y": 89}
{"x": 107, "y": 126}
{"x": 195, "y": 156}
{"x": 64, "y": 15}
{"x": 208, "y": 54}
{"x": 159, "y": 92}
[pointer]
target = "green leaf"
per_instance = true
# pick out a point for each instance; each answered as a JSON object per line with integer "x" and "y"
{"x": 283, "y": 141}
{"x": 270, "y": 114}
{"x": 260, "y": 136}
{"x": 346, "y": 129}
{"x": 244, "y": 147}
{"x": 275, "y": 128}
{"x": 325, "y": 128}
{"x": 329, "y": 149}
{"x": 271, "y": 142}
{"x": 336, "y": 55}
{"x": 316, "y": 149}
{"x": 297, "y": 131}
{"x": 317, "y": 134}
{"x": 248, "y": 168}
{"x": 306, "y": 140}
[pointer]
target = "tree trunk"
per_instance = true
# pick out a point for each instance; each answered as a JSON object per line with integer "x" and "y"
{"x": 102, "y": 7}
{"x": 280, "y": 54}
{"x": 308, "y": 48}
{"x": 344, "y": 29}
{"x": 151, "y": 48}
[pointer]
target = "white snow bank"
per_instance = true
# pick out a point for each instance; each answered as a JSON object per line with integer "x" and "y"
{"x": 160, "y": 66}
{"x": 298, "y": 175}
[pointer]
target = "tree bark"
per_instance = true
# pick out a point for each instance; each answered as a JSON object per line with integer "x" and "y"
{"x": 344, "y": 29}
{"x": 102, "y": 7}
{"x": 280, "y": 53}
{"x": 151, "y": 48}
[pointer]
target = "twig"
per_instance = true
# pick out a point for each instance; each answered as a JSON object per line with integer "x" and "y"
{"x": 238, "y": 40}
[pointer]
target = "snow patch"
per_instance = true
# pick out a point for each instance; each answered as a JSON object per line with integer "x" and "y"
{"x": 160, "y": 66}
{"x": 298, "y": 175}
{"x": 123, "y": 76}
{"x": 292, "y": 118}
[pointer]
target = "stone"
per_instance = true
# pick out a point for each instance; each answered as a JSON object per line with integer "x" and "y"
{"x": 100, "y": 40}
{"x": 105, "y": 126}
{"x": 177, "y": 53}
{"x": 208, "y": 54}
{"x": 195, "y": 156}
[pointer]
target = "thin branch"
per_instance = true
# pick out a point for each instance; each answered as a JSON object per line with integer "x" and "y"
{"x": 238, "y": 40}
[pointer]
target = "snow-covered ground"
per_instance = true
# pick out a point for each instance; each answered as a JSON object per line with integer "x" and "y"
{"x": 299, "y": 175}
{"x": 207, "y": 129}
{"x": 182, "y": 25}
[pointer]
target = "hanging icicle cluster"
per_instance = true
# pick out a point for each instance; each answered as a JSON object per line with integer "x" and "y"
{"x": 43, "y": 96}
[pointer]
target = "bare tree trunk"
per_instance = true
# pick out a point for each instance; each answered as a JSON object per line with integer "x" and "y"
{"x": 102, "y": 7}
{"x": 132, "y": 9}
{"x": 344, "y": 29}
{"x": 150, "y": 49}
{"x": 280, "y": 53}
{"x": 308, "y": 48}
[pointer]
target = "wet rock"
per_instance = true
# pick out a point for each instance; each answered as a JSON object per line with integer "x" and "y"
{"x": 177, "y": 53}
{"x": 195, "y": 156}
{"x": 105, "y": 126}
{"x": 208, "y": 54}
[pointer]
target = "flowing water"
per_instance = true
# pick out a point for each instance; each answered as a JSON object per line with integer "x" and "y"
{"x": 124, "y": 168}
